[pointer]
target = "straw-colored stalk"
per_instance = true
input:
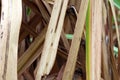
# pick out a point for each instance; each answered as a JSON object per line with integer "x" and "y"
{"x": 11, "y": 16}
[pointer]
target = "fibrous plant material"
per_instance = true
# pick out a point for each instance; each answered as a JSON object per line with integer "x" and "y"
{"x": 116, "y": 24}
{"x": 43, "y": 11}
{"x": 29, "y": 53}
{"x": 52, "y": 38}
{"x": 9, "y": 32}
{"x": 105, "y": 56}
{"x": 71, "y": 61}
{"x": 95, "y": 38}
{"x": 68, "y": 39}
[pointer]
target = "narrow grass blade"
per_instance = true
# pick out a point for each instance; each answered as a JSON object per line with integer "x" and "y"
{"x": 79, "y": 28}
